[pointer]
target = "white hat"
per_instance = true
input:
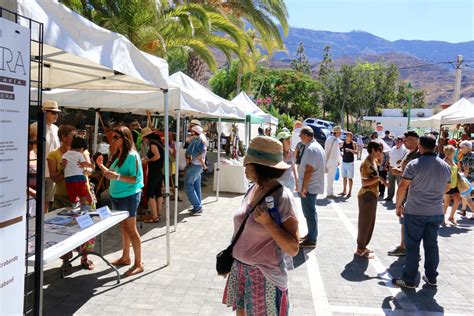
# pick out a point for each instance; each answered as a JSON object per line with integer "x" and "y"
{"x": 197, "y": 129}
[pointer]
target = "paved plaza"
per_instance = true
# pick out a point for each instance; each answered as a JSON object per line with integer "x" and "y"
{"x": 328, "y": 280}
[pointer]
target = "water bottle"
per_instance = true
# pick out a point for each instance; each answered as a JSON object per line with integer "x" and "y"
{"x": 272, "y": 210}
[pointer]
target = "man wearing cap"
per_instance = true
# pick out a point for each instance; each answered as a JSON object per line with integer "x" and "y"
{"x": 310, "y": 183}
{"x": 333, "y": 159}
{"x": 396, "y": 156}
{"x": 51, "y": 110}
{"x": 411, "y": 141}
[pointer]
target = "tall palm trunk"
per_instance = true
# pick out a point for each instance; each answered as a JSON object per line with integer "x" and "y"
{"x": 196, "y": 68}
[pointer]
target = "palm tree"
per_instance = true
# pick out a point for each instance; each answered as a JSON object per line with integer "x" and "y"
{"x": 163, "y": 29}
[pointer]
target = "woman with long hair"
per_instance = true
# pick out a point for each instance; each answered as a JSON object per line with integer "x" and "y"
{"x": 289, "y": 179}
{"x": 257, "y": 283}
{"x": 453, "y": 193}
{"x": 155, "y": 160}
{"x": 126, "y": 183}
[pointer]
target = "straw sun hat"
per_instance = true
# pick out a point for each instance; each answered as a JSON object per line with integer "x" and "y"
{"x": 146, "y": 131}
{"x": 266, "y": 151}
{"x": 50, "y": 106}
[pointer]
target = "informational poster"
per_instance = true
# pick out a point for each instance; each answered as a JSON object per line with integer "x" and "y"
{"x": 14, "y": 99}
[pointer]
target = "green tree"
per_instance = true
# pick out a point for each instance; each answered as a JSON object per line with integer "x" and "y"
{"x": 301, "y": 63}
{"x": 325, "y": 72}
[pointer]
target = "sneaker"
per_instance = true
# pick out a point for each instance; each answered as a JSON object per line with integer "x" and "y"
{"x": 307, "y": 244}
{"x": 397, "y": 252}
{"x": 431, "y": 282}
{"x": 196, "y": 212}
{"x": 403, "y": 283}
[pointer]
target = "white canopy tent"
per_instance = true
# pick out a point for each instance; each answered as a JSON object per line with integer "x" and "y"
{"x": 461, "y": 112}
{"x": 81, "y": 55}
{"x": 244, "y": 101}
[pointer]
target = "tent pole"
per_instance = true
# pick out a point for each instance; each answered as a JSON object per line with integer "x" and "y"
{"x": 167, "y": 179}
{"x": 96, "y": 131}
{"x": 176, "y": 179}
{"x": 217, "y": 171}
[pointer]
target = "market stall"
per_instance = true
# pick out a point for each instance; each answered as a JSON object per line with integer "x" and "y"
{"x": 461, "y": 112}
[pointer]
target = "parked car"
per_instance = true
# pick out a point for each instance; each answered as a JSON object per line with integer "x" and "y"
{"x": 327, "y": 124}
{"x": 321, "y": 133}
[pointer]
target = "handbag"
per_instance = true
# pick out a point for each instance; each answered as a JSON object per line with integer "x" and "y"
{"x": 224, "y": 259}
{"x": 463, "y": 185}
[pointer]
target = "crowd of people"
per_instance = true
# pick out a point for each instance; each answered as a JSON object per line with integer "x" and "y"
{"x": 423, "y": 181}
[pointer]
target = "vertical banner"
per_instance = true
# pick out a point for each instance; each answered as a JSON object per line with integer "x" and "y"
{"x": 14, "y": 102}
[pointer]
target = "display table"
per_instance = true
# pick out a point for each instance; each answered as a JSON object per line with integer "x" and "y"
{"x": 60, "y": 240}
{"x": 232, "y": 179}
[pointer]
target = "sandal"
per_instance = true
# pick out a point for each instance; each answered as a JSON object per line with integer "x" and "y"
{"x": 87, "y": 264}
{"x": 121, "y": 262}
{"x": 152, "y": 220}
{"x": 453, "y": 221}
{"x": 462, "y": 212}
{"x": 134, "y": 270}
{"x": 364, "y": 253}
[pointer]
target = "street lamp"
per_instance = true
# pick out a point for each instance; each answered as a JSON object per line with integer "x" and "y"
{"x": 409, "y": 105}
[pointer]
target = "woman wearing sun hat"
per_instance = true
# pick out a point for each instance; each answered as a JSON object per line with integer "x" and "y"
{"x": 289, "y": 178}
{"x": 195, "y": 156}
{"x": 258, "y": 281}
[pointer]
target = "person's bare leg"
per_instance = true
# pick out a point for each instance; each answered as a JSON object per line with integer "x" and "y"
{"x": 446, "y": 201}
{"x": 46, "y": 207}
{"x": 344, "y": 183}
{"x": 134, "y": 236}
{"x": 351, "y": 182}
{"x": 159, "y": 206}
{"x": 125, "y": 258}
{"x": 454, "y": 208}
{"x": 154, "y": 213}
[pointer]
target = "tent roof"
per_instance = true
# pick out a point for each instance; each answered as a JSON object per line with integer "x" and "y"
{"x": 195, "y": 97}
{"x": 81, "y": 55}
{"x": 461, "y": 112}
{"x": 126, "y": 101}
{"x": 244, "y": 101}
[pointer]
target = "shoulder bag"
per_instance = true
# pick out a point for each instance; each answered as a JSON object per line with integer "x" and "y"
{"x": 224, "y": 259}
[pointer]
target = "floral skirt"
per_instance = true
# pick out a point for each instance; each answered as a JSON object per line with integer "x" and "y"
{"x": 248, "y": 289}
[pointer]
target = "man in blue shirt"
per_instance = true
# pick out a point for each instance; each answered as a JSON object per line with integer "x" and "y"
{"x": 425, "y": 179}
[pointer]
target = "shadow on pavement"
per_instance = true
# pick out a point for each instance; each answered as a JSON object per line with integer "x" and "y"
{"x": 355, "y": 270}
{"x": 424, "y": 301}
{"x": 68, "y": 295}
{"x": 301, "y": 257}
{"x": 448, "y": 231}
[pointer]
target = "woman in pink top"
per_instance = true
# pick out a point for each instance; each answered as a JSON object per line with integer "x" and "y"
{"x": 258, "y": 281}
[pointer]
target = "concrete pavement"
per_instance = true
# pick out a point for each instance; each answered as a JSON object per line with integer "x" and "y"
{"x": 328, "y": 280}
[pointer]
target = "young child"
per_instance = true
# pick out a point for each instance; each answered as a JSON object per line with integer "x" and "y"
{"x": 76, "y": 181}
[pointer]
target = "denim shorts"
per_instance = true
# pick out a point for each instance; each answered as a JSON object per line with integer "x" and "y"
{"x": 348, "y": 170}
{"x": 129, "y": 203}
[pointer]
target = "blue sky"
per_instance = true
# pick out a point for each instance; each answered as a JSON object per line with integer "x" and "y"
{"x": 444, "y": 20}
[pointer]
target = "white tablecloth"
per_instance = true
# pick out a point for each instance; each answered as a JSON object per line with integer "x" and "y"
{"x": 232, "y": 179}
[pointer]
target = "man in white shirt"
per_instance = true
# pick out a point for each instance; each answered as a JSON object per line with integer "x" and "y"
{"x": 333, "y": 159}
{"x": 51, "y": 110}
{"x": 396, "y": 155}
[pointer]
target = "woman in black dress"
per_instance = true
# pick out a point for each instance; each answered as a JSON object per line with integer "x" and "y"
{"x": 155, "y": 161}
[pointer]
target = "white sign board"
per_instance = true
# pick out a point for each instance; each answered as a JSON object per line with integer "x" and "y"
{"x": 14, "y": 99}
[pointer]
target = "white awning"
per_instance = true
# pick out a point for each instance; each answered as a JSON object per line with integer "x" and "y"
{"x": 197, "y": 98}
{"x": 79, "y": 54}
{"x": 248, "y": 106}
{"x": 461, "y": 112}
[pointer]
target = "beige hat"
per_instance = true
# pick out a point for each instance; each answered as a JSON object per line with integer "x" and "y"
{"x": 50, "y": 106}
{"x": 336, "y": 129}
{"x": 266, "y": 151}
{"x": 195, "y": 122}
{"x": 146, "y": 131}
